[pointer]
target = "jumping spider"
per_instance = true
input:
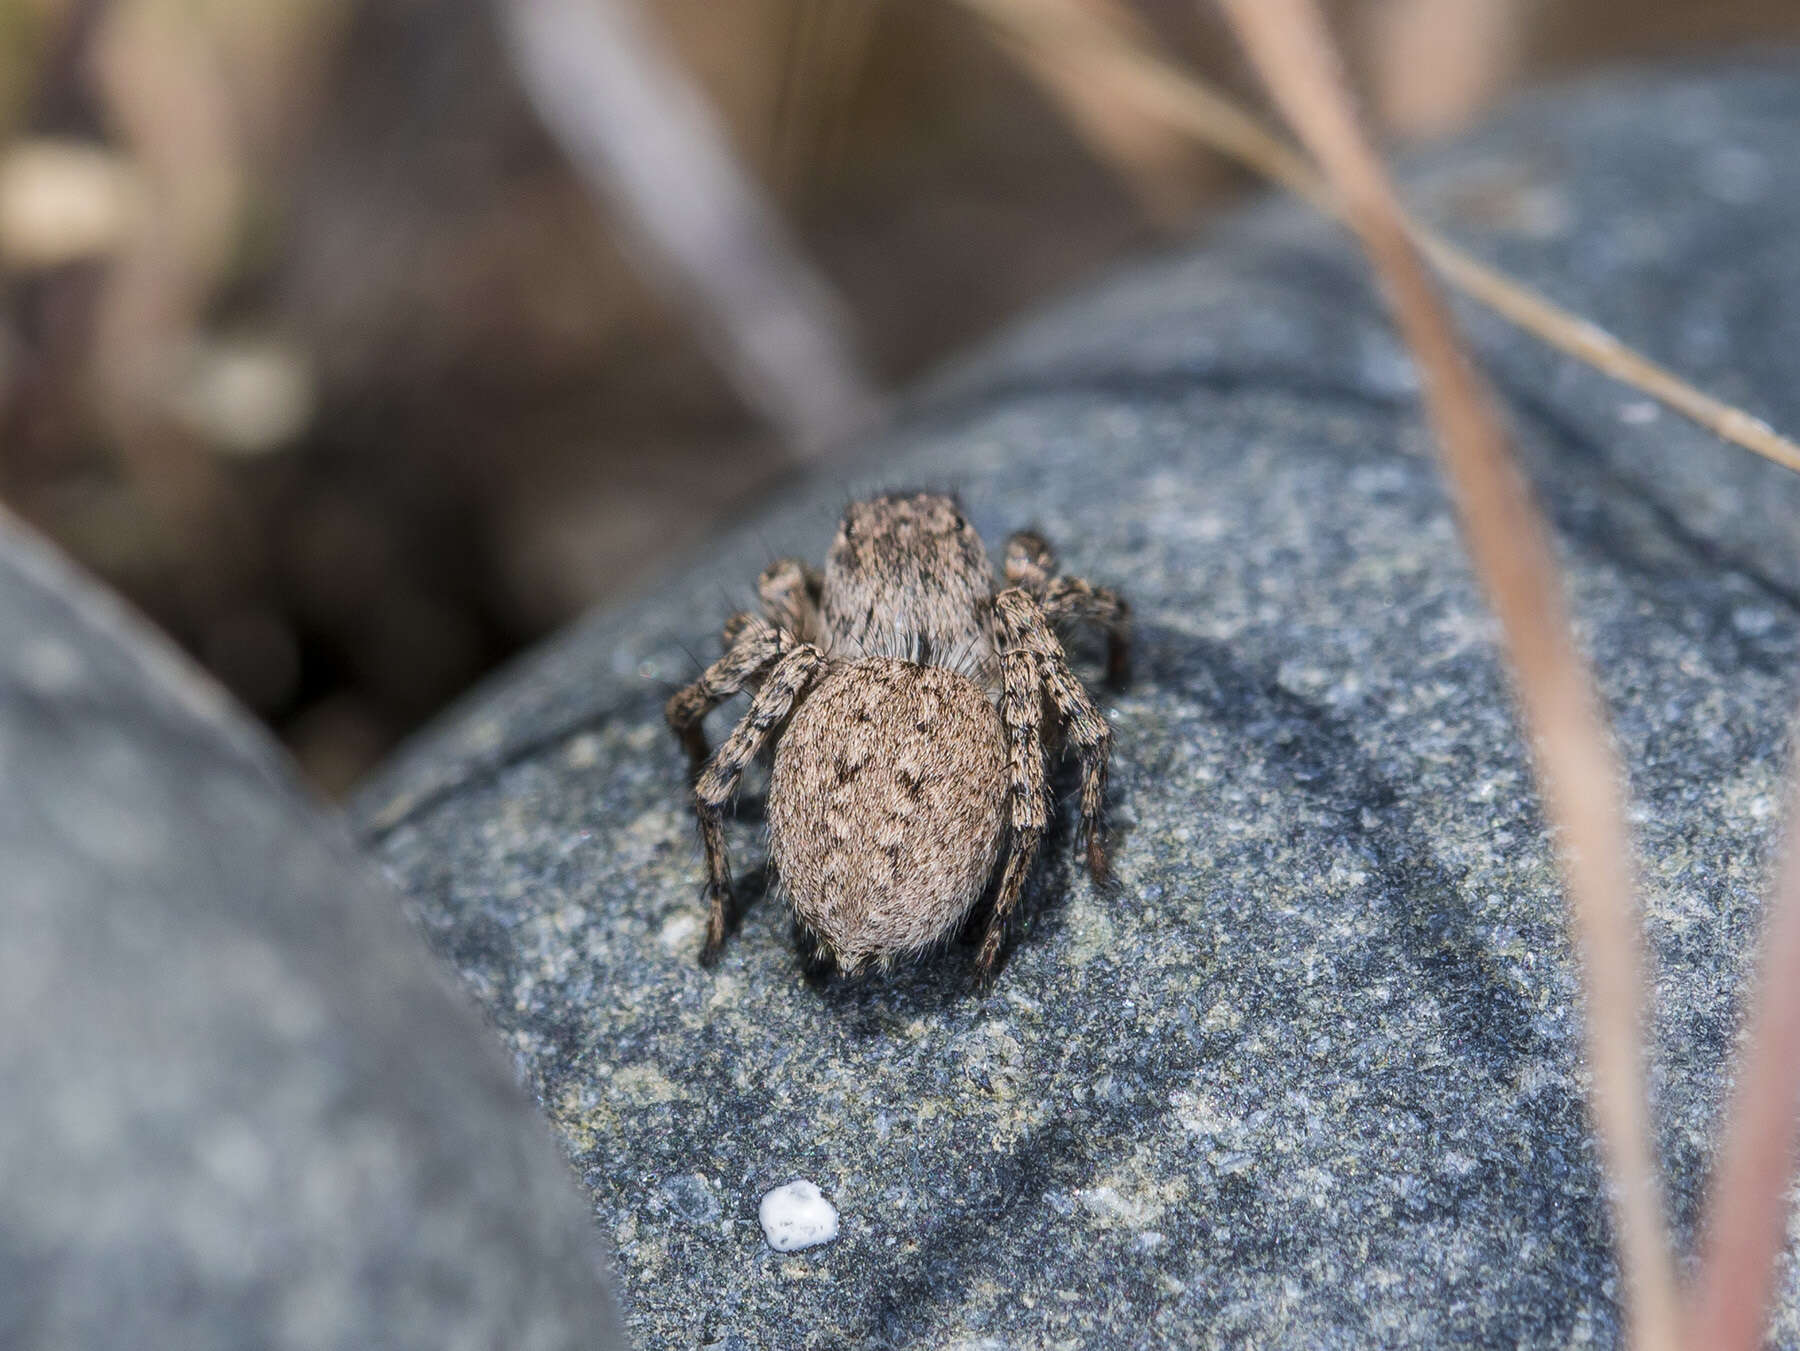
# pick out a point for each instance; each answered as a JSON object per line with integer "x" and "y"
{"x": 906, "y": 700}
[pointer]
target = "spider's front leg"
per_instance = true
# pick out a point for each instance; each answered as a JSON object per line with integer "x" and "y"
{"x": 1027, "y": 791}
{"x": 754, "y": 646}
{"x": 798, "y": 668}
{"x": 1031, "y": 565}
{"x": 789, "y": 591}
{"x": 1070, "y": 599}
{"x": 1024, "y": 625}
{"x": 1092, "y": 736}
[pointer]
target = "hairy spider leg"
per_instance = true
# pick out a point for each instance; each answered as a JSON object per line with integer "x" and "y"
{"x": 718, "y": 783}
{"x": 1028, "y": 791}
{"x": 1025, "y": 625}
{"x": 1071, "y": 600}
{"x": 790, "y": 597}
{"x": 735, "y": 627}
{"x": 1031, "y": 565}
{"x": 1030, "y": 561}
{"x": 755, "y": 646}
{"x": 1092, "y": 735}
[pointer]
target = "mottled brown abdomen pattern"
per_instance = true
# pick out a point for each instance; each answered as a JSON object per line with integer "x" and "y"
{"x": 887, "y": 806}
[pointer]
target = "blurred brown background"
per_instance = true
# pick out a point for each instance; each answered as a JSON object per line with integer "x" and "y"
{"x": 313, "y": 345}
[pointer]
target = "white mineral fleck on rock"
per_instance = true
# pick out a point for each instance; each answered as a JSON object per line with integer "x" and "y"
{"x": 680, "y": 932}
{"x": 797, "y": 1216}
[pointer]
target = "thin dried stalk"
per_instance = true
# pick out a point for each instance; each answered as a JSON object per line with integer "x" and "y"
{"x": 1748, "y": 1205}
{"x": 1437, "y": 63}
{"x": 1591, "y": 343}
{"x": 1118, "y": 58}
{"x": 1507, "y": 541}
{"x": 644, "y": 139}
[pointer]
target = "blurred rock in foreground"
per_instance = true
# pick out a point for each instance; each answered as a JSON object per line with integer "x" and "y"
{"x": 1311, "y": 1076}
{"x": 238, "y": 1106}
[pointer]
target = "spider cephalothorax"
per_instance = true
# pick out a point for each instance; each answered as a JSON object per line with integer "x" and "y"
{"x": 905, "y": 699}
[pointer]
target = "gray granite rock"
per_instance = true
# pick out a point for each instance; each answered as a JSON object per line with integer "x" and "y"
{"x": 240, "y": 1105}
{"x": 1311, "y": 1074}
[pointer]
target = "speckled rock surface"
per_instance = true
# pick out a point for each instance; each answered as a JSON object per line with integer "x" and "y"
{"x": 239, "y": 1106}
{"x": 1310, "y": 1076}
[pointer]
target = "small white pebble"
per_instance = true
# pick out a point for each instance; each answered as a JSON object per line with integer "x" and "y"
{"x": 797, "y": 1216}
{"x": 1638, "y": 413}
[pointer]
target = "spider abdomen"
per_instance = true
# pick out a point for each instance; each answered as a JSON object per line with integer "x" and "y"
{"x": 887, "y": 806}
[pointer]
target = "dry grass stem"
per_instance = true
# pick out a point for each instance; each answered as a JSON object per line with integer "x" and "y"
{"x": 1507, "y": 541}
{"x": 1590, "y": 343}
{"x": 1435, "y": 64}
{"x": 1115, "y": 58}
{"x": 645, "y": 141}
{"x": 1747, "y": 1207}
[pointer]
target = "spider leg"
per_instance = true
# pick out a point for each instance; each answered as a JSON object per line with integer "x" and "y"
{"x": 1092, "y": 736}
{"x": 1026, "y": 626}
{"x": 1031, "y": 566}
{"x": 790, "y": 597}
{"x": 735, "y": 627}
{"x": 755, "y": 647}
{"x": 718, "y": 783}
{"x": 1028, "y": 791}
{"x": 1070, "y": 600}
{"x": 1030, "y": 562}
